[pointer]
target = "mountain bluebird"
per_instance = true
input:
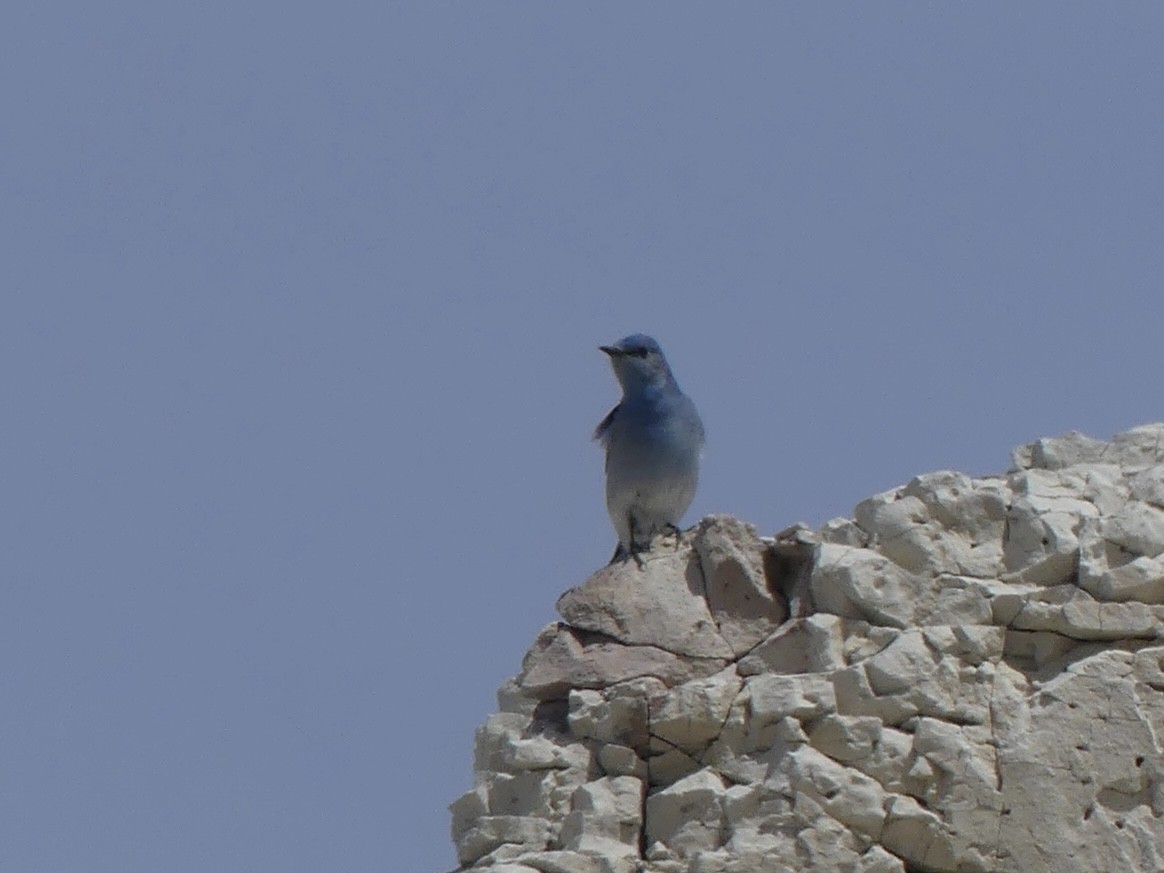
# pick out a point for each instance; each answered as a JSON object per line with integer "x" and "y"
{"x": 652, "y": 440}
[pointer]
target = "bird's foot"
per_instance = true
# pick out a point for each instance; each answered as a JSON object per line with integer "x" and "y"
{"x": 673, "y": 529}
{"x": 622, "y": 554}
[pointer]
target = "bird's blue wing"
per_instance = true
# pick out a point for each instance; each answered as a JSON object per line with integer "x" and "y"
{"x": 603, "y": 430}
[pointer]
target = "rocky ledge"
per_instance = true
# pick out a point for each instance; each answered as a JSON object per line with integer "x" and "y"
{"x": 968, "y": 675}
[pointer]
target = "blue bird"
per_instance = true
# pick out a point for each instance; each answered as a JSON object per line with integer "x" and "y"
{"x": 653, "y": 439}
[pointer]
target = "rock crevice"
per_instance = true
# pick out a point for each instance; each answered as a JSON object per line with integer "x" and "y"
{"x": 968, "y": 675}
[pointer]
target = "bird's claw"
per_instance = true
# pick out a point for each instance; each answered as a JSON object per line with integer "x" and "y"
{"x": 622, "y": 555}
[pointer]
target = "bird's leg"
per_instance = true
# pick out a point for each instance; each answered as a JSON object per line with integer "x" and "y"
{"x": 678, "y": 534}
{"x": 634, "y": 548}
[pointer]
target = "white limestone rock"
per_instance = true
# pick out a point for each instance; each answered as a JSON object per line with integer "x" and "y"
{"x": 1139, "y": 447}
{"x": 846, "y": 738}
{"x": 1057, "y": 453}
{"x": 815, "y": 644}
{"x": 1040, "y": 648}
{"x": 606, "y": 817}
{"x": 863, "y": 640}
{"x": 736, "y": 586}
{"x": 734, "y": 862}
{"x": 465, "y": 811}
{"x": 1141, "y": 580}
{"x": 889, "y": 760}
{"x": 971, "y": 681}
{"x": 687, "y": 816}
{"x": 912, "y": 677}
{"x": 771, "y": 697}
{"x": 1042, "y": 539}
{"x": 846, "y": 532}
{"x": 1075, "y": 781}
{"x": 916, "y": 834}
{"x": 618, "y": 760}
{"x": 887, "y": 516}
{"x": 823, "y": 843}
{"x": 520, "y": 793}
{"x": 956, "y": 775}
{"x": 488, "y": 832}
{"x": 1071, "y": 612}
{"x": 559, "y": 862}
{"x": 1147, "y": 485}
{"x": 962, "y": 600}
{"x": 502, "y": 746}
{"x": 619, "y": 714}
{"x": 939, "y": 523}
{"x": 667, "y": 763}
{"x": 846, "y": 794}
{"x": 862, "y": 584}
{"x": 563, "y": 658}
{"x": 1137, "y": 528}
{"x": 691, "y": 715}
{"x": 877, "y": 860}
{"x": 660, "y": 604}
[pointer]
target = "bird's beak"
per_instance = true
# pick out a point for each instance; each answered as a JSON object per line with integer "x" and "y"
{"x": 612, "y": 351}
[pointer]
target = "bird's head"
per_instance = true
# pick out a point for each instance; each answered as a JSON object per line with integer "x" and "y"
{"x": 638, "y": 363}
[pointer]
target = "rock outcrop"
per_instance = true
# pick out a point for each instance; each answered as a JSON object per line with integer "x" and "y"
{"x": 968, "y": 675}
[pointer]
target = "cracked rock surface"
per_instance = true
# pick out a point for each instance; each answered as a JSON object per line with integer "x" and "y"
{"x": 966, "y": 676}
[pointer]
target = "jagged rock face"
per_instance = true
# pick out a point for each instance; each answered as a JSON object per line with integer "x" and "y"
{"x": 967, "y": 676}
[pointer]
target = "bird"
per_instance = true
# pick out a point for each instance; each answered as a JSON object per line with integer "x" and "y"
{"x": 653, "y": 439}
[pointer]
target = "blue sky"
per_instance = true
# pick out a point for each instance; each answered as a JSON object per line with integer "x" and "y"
{"x": 299, "y": 354}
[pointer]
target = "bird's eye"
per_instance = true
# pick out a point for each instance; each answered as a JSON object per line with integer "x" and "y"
{"x": 640, "y": 352}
